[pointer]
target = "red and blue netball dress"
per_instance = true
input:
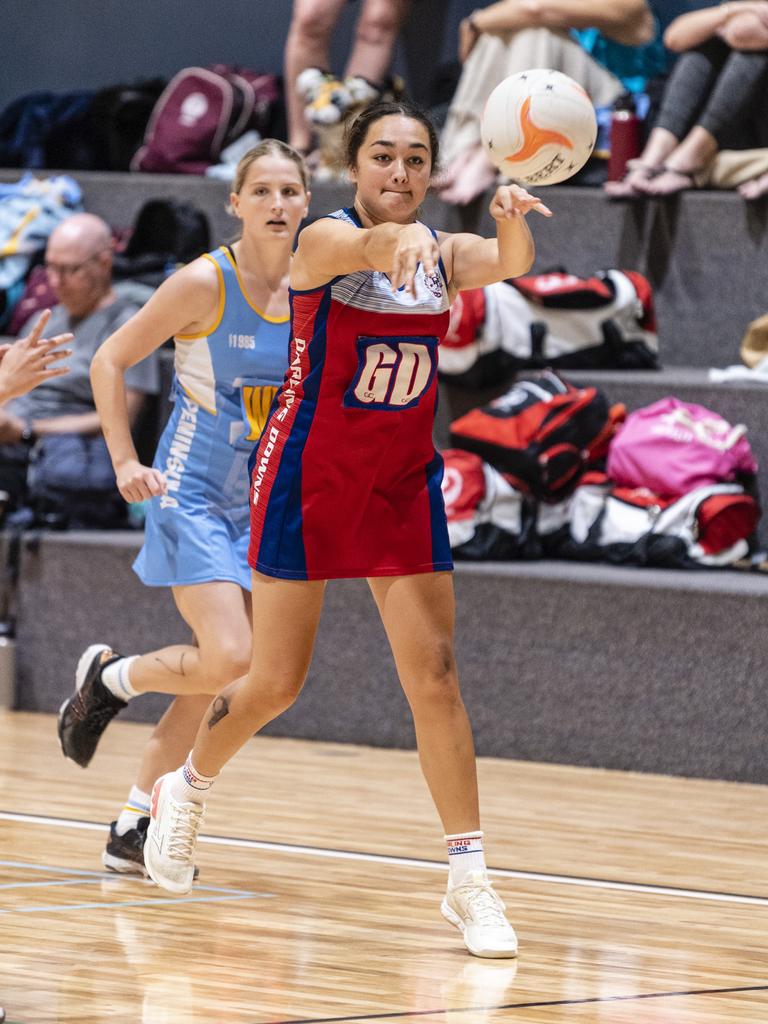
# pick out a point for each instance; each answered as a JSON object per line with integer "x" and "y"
{"x": 345, "y": 481}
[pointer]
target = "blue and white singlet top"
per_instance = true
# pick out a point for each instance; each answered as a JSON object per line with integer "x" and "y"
{"x": 223, "y": 387}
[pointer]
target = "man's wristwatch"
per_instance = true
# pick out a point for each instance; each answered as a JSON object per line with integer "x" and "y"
{"x": 28, "y": 435}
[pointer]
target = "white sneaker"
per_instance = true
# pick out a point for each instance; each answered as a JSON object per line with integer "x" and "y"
{"x": 169, "y": 849}
{"x": 478, "y": 912}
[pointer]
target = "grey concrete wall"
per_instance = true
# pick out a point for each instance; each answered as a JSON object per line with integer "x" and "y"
{"x": 579, "y": 664}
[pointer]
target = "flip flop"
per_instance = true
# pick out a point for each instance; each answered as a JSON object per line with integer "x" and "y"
{"x": 690, "y": 180}
{"x": 622, "y": 189}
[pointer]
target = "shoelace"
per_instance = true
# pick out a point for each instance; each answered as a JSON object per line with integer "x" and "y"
{"x": 185, "y": 824}
{"x": 486, "y": 907}
{"x": 98, "y": 719}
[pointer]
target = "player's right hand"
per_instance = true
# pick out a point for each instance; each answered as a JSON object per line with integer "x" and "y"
{"x": 32, "y": 360}
{"x": 415, "y": 244}
{"x": 139, "y": 483}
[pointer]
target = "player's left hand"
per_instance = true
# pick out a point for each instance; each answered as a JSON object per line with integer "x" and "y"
{"x": 511, "y": 200}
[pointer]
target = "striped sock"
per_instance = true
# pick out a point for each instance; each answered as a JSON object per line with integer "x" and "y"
{"x": 137, "y": 806}
{"x": 465, "y": 856}
{"x": 116, "y": 678}
{"x": 189, "y": 785}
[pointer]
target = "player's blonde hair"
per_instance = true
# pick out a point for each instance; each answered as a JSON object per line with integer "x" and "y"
{"x": 269, "y": 147}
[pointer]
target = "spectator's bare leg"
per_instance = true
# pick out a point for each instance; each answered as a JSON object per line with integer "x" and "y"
{"x": 376, "y": 33}
{"x": 307, "y": 46}
{"x": 472, "y": 174}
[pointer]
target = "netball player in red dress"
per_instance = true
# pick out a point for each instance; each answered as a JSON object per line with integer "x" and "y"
{"x": 346, "y": 483}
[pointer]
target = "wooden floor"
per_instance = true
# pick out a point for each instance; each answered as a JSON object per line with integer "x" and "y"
{"x": 637, "y": 899}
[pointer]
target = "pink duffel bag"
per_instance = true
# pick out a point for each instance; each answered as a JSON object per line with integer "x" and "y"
{"x": 673, "y": 447}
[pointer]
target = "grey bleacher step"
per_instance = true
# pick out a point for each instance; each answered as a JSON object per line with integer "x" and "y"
{"x": 646, "y": 670}
{"x": 737, "y": 401}
{"x": 705, "y": 252}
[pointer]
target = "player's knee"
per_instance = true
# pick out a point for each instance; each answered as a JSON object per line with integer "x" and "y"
{"x": 277, "y": 692}
{"x": 228, "y": 662}
{"x": 377, "y": 24}
{"x": 744, "y": 31}
{"x": 312, "y": 26}
{"x": 437, "y": 681}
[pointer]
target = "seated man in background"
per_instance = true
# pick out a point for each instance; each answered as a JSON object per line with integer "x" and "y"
{"x": 620, "y": 54}
{"x": 57, "y": 423}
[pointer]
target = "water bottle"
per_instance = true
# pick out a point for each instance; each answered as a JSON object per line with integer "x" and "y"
{"x": 625, "y": 140}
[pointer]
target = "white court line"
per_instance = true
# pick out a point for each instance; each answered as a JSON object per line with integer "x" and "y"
{"x": 431, "y": 865}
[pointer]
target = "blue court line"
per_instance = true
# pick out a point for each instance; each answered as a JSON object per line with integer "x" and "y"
{"x": 105, "y": 876}
{"x": 85, "y": 877}
{"x": 135, "y": 903}
{"x": 55, "y": 869}
{"x": 36, "y": 885}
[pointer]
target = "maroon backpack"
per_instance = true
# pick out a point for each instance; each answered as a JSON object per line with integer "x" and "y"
{"x": 200, "y": 112}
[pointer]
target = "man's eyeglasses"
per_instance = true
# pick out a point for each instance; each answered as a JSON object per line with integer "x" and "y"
{"x": 69, "y": 269}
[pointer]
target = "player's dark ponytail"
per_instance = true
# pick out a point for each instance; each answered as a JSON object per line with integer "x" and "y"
{"x": 358, "y": 128}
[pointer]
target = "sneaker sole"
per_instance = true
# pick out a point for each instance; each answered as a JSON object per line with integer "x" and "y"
{"x": 82, "y": 668}
{"x": 120, "y": 866}
{"x": 453, "y": 918}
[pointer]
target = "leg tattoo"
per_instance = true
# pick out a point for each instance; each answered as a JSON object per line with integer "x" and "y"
{"x": 220, "y": 709}
{"x": 170, "y": 668}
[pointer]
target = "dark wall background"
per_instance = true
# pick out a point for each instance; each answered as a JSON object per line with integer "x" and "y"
{"x": 84, "y": 44}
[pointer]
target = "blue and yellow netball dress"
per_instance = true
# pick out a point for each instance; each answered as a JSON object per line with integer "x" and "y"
{"x": 223, "y": 387}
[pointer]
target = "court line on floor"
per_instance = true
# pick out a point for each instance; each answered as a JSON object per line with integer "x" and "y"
{"x": 216, "y": 894}
{"x": 540, "y": 1005}
{"x": 99, "y": 876}
{"x": 58, "y": 908}
{"x": 642, "y": 888}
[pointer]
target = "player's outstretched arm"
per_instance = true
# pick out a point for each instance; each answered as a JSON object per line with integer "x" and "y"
{"x": 474, "y": 262}
{"x": 329, "y": 248}
{"x": 184, "y": 304}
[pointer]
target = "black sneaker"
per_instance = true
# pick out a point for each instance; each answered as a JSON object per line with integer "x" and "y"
{"x": 85, "y": 715}
{"x": 125, "y": 854}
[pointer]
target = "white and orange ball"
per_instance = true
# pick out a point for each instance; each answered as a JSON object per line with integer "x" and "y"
{"x": 539, "y": 126}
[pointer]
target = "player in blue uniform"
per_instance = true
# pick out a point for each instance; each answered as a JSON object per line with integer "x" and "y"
{"x": 346, "y": 482}
{"x": 228, "y": 314}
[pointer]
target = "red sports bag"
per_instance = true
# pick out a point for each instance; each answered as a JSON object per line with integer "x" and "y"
{"x": 541, "y": 434}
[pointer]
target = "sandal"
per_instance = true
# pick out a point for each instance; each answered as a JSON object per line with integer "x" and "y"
{"x": 623, "y": 187}
{"x": 687, "y": 180}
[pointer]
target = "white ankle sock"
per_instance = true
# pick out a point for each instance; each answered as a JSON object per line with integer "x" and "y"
{"x": 137, "y": 806}
{"x": 465, "y": 856}
{"x": 188, "y": 785}
{"x": 116, "y": 678}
